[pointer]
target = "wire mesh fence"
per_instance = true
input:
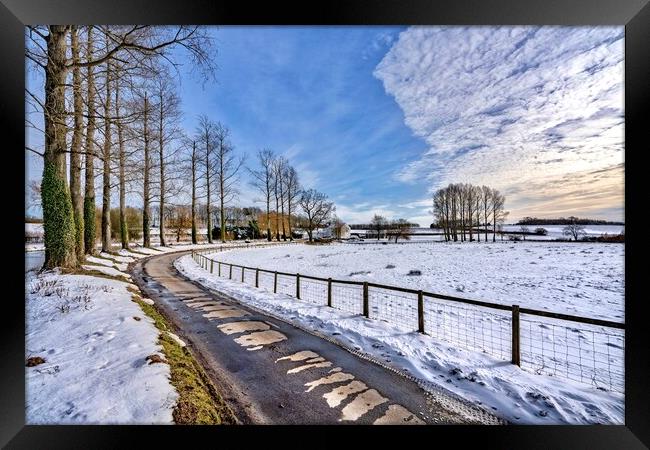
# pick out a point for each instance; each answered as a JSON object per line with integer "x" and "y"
{"x": 394, "y": 307}
{"x": 347, "y": 297}
{"x": 470, "y": 327}
{"x": 286, "y": 285}
{"x": 580, "y": 352}
{"x": 576, "y": 348}
{"x": 313, "y": 291}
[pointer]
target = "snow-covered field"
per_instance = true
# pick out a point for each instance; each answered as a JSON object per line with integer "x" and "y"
{"x": 518, "y": 395}
{"x": 571, "y": 278}
{"x": 585, "y": 279}
{"x": 95, "y": 342}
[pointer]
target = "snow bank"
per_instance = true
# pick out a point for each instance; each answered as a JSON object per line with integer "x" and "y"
{"x": 95, "y": 351}
{"x": 506, "y": 390}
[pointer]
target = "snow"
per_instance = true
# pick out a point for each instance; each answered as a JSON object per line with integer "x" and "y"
{"x": 106, "y": 262}
{"x": 106, "y": 270}
{"x": 585, "y": 279}
{"x": 519, "y": 395}
{"x": 95, "y": 369}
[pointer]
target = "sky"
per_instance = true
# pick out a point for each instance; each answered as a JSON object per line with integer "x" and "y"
{"x": 378, "y": 118}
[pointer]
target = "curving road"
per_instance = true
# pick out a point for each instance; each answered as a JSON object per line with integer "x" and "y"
{"x": 271, "y": 372}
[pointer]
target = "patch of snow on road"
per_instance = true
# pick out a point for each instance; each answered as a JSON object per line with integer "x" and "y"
{"x": 506, "y": 390}
{"x": 95, "y": 369}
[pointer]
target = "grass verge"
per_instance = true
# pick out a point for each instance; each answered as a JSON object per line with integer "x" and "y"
{"x": 199, "y": 402}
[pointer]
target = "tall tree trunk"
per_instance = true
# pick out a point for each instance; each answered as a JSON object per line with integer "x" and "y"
{"x": 268, "y": 213}
{"x": 58, "y": 216}
{"x": 162, "y": 176}
{"x": 284, "y": 232}
{"x": 222, "y": 195}
{"x": 207, "y": 182}
{"x": 89, "y": 186}
{"x": 487, "y": 224}
{"x": 277, "y": 214}
{"x": 194, "y": 241}
{"x": 124, "y": 227}
{"x": 106, "y": 188}
{"x": 289, "y": 218}
{"x": 75, "y": 156}
{"x": 146, "y": 238}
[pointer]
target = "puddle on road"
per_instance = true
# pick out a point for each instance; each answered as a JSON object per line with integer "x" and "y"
{"x": 260, "y": 338}
{"x": 225, "y": 314}
{"x": 398, "y": 415}
{"x": 336, "y": 396}
{"x": 362, "y": 404}
{"x": 240, "y": 327}
{"x": 309, "y": 366}
{"x": 300, "y": 356}
{"x": 334, "y": 378}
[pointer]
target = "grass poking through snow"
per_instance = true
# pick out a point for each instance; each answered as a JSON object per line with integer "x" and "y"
{"x": 199, "y": 402}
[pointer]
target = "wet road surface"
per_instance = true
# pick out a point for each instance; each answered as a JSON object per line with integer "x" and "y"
{"x": 271, "y": 372}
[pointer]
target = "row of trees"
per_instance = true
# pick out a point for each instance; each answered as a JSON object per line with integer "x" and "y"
{"x": 278, "y": 183}
{"x": 464, "y": 211}
{"x": 111, "y": 115}
{"x": 107, "y": 104}
{"x": 390, "y": 228}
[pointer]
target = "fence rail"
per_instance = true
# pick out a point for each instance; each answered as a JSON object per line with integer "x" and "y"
{"x": 592, "y": 351}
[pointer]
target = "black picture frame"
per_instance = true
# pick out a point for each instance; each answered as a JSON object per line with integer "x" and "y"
{"x": 633, "y": 14}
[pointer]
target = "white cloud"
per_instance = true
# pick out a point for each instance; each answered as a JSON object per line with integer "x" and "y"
{"x": 513, "y": 107}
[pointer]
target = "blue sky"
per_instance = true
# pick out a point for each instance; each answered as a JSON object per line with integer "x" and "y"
{"x": 378, "y": 117}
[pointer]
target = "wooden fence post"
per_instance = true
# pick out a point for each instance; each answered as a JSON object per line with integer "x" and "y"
{"x": 420, "y": 312}
{"x": 211, "y": 266}
{"x": 219, "y": 265}
{"x": 242, "y": 274}
{"x": 275, "y": 283}
{"x": 515, "y": 335}
{"x": 298, "y": 286}
{"x": 329, "y": 292}
{"x": 365, "y": 299}
{"x": 230, "y": 274}
{"x": 257, "y": 277}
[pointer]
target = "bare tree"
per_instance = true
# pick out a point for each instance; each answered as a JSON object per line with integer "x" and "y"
{"x": 486, "y": 198}
{"x": 227, "y": 167}
{"x": 280, "y": 174}
{"x": 263, "y": 181}
{"x": 400, "y": 228}
{"x": 75, "y": 147}
{"x": 146, "y": 209}
{"x": 206, "y": 132}
{"x": 573, "y": 229}
{"x": 293, "y": 191}
{"x": 168, "y": 117}
{"x": 125, "y": 41}
{"x": 378, "y": 224}
{"x": 106, "y": 174}
{"x": 498, "y": 213}
{"x": 89, "y": 185}
{"x": 317, "y": 209}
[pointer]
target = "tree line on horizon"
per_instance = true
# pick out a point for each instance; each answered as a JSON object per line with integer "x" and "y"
{"x": 565, "y": 221}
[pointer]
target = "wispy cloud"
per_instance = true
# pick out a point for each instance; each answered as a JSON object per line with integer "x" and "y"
{"x": 533, "y": 111}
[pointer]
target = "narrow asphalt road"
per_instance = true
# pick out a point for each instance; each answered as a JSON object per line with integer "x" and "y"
{"x": 271, "y": 372}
